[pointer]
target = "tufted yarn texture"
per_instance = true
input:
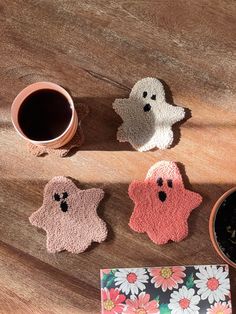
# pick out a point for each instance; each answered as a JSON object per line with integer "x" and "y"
{"x": 63, "y": 151}
{"x": 162, "y": 204}
{"x": 147, "y": 117}
{"x": 69, "y": 216}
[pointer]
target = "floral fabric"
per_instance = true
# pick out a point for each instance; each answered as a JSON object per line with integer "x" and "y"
{"x": 166, "y": 290}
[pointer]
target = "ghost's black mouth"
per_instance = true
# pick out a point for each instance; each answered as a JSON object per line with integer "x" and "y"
{"x": 147, "y": 107}
{"x": 162, "y": 196}
{"x": 64, "y": 206}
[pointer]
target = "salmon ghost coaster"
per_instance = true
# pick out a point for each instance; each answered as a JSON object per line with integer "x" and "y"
{"x": 63, "y": 151}
{"x": 162, "y": 204}
{"x": 147, "y": 117}
{"x": 69, "y": 216}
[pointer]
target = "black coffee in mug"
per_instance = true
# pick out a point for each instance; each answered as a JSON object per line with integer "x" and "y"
{"x": 44, "y": 115}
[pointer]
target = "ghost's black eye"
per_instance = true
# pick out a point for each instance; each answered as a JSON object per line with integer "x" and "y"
{"x": 170, "y": 183}
{"x": 64, "y": 206}
{"x": 64, "y": 195}
{"x": 147, "y": 107}
{"x": 144, "y": 94}
{"x": 56, "y": 197}
{"x": 153, "y": 97}
{"x": 159, "y": 181}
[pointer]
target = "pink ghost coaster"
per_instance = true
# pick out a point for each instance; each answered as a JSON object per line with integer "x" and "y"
{"x": 162, "y": 204}
{"x": 75, "y": 142}
{"x": 69, "y": 216}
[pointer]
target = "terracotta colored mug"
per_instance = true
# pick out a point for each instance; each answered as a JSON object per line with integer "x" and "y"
{"x": 47, "y": 108}
{"x": 222, "y": 226}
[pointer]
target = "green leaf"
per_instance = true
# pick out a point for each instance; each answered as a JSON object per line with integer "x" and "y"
{"x": 104, "y": 277}
{"x": 157, "y": 298}
{"x": 114, "y": 271}
{"x": 164, "y": 309}
{"x": 190, "y": 281}
{"x": 110, "y": 281}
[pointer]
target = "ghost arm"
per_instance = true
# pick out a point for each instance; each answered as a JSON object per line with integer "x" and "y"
{"x": 39, "y": 218}
{"x": 191, "y": 200}
{"x": 137, "y": 192}
{"x": 195, "y": 199}
{"x": 92, "y": 197}
{"x": 175, "y": 114}
{"x": 121, "y": 107}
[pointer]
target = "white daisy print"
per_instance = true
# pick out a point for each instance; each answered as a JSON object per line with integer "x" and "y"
{"x": 184, "y": 301}
{"x": 213, "y": 283}
{"x": 220, "y": 308}
{"x": 200, "y": 266}
{"x": 131, "y": 280}
{"x": 197, "y": 267}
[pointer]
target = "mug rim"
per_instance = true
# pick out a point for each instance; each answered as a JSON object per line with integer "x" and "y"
{"x": 212, "y": 220}
{"x": 29, "y": 90}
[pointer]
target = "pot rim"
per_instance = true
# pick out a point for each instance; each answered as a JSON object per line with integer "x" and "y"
{"x": 212, "y": 226}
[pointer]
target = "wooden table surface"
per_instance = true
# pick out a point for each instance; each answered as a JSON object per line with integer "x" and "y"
{"x": 98, "y": 50}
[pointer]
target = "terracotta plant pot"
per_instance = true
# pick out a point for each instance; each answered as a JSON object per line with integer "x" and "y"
{"x": 70, "y": 129}
{"x": 212, "y": 226}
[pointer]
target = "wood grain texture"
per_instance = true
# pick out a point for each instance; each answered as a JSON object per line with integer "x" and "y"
{"x": 98, "y": 50}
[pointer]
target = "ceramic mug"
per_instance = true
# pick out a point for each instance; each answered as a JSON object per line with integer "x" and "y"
{"x": 67, "y": 131}
{"x": 222, "y": 226}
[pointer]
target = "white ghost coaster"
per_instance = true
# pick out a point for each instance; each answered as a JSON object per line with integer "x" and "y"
{"x": 147, "y": 117}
